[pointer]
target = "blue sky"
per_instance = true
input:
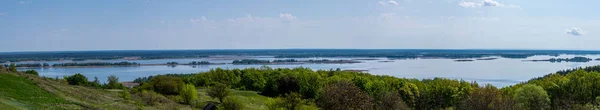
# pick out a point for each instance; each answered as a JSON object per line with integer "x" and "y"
{"x": 50, "y": 25}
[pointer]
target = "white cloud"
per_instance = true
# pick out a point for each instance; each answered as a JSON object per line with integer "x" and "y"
{"x": 287, "y": 16}
{"x": 575, "y": 31}
{"x": 391, "y": 2}
{"x": 248, "y": 18}
{"x": 485, "y": 3}
{"x": 24, "y": 2}
{"x": 196, "y": 21}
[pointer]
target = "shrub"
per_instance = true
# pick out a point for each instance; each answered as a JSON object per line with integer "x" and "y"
{"x": 231, "y": 104}
{"x": 33, "y": 72}
{"x": 343, "y": 95}
{"x": 391, "y": 101}
{"x": 188, "y": 93}
{"x": 274, "y": 104}
{"x": 77, "y": 79}
{"x": 292, "y": 101}
{"x": 532, "y": 97}
{"x": 125, "y": 94}
{"x": 151, "y": 98}
{"x": 12, "y": 67}
{"x": 113, "y": 83}
{"x": 219, "y": 91}
{"x": 166, "y": 85}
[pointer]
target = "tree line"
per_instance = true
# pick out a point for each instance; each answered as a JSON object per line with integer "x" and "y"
{"x": 342, "y": 90}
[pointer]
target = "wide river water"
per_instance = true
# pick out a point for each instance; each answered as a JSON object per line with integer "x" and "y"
{"x": 500, "y": 72}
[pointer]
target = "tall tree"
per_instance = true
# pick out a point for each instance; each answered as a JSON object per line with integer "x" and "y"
{"x": 219, "y": 91}
{"x": 344, "y": 95}
{"x": 532, "y": 97}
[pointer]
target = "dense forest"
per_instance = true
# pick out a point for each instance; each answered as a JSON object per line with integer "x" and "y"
{"x": 343, "y": 90}
{"x": 279, "y": 53}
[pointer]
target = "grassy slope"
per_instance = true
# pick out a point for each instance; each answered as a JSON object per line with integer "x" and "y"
{"x": 22, "y": 93}
{"x": 251, "y": 99}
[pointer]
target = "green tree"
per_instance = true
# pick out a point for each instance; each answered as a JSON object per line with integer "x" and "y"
{"x": 292, "y": 101}
{"x": 77, "y": 79}
{"x": 487, "y": 98}
{"x": 188, "y": 93}
{"x": 33, "y": 72}
{"x": 532, "y": 97}
{"x": 219, "y": 91}
{"x": 113, "y": 82}
{"x": 166, "y": 85}
{"x": 96, "y": 83}
{"x": 231, "y": 104}
{"x": 391, "y": 101}
{"x": 12, "y": 67}
{"x": 344, "y": 95}
{"x": 125, "y": 94}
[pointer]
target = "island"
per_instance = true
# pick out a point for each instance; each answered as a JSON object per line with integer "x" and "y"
{"x": 291, "y": 61}
{"x": 464, "y": 60}
{"x": 486, "y": 58}
{"x": 96, "y": 64}
{"x": 574, "y": 59}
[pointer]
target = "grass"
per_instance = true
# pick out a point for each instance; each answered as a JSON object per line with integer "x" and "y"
{"x": 22, "y": 93}
{"x": 252, "y": 100}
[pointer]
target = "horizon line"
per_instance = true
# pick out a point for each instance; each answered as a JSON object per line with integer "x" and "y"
{"x": 98, "y": 50}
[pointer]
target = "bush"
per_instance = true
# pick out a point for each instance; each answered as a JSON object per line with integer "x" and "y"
{"x": 231, "y": 104}
{"x": 487, "y": 98}
{"x": 532, "y": 97}
{"x": 113, "y": 83}
{"x": 125, "y": 94}
{"x": 219, "y": 91}
{"x": 166, "y": 85}
{"x": 77, "y": 79}
{"x": 391, "y": 101}
{"x": 292, "y": 101}
{"x": 343, "y": 95}
{"x": 151, "y": 98}
{"x": 188, "y": 93}
{"x": 33, "y": 72}
{"x": 12, "y": 67}
{"x": 274, "y": 104}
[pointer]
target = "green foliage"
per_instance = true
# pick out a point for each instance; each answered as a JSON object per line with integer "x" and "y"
{"x": 113, "y": 83}
{"x": 231, "y": 104}
{"x": 188, "y": 93}
{"x": 12, "y": 67}
{"x": 487, "y": 98}
{"x": 166, "y": 85}
{"x": 125, "y": 94}
{"x": 441, "y": 93}
{"x": 219, "y": 91}
{"x": 344, "y": 95}
{"x": 33, "y": 72}
{"x": 77, "y": 79}
{"x": 390, "y": 101}
{"x": 532, "y": 97}
{"x": 292, "y": 101}
{"x": 151, "y": 98}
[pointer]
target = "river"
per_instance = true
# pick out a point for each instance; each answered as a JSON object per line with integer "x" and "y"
{"x": 499, "y": 72}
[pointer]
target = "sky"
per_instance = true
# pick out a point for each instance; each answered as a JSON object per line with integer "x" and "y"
{"x": 63, "y": 25}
